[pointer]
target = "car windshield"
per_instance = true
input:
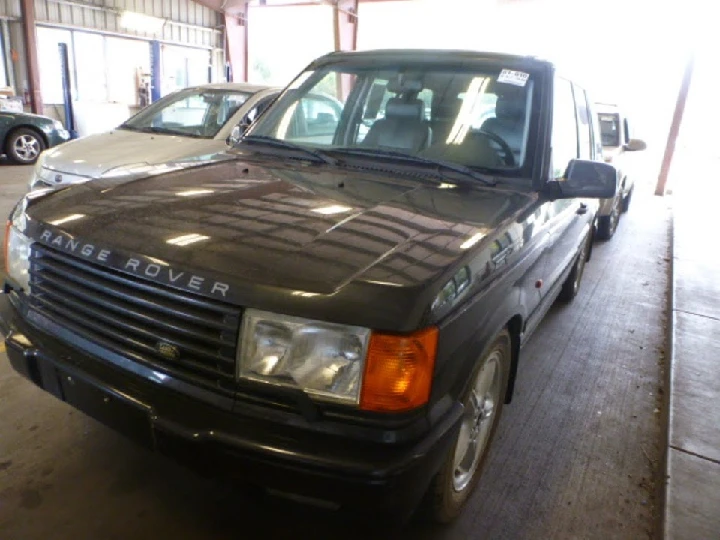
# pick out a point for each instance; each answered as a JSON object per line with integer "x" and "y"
{"x": 475, "y": 115}
{"x": 610, "y": 129}
{"x": 192, "y": 113}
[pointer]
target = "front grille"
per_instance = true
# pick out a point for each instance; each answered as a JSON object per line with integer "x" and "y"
{"x": 137, "y": 318}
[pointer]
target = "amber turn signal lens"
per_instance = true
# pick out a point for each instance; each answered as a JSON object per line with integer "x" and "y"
{"x": 399, "y": 371}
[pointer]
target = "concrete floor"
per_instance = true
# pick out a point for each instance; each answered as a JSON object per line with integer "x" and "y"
{"x": 578, "y": 452}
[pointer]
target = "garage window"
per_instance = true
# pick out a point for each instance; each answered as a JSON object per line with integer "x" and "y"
{"x": 49, "y": 60}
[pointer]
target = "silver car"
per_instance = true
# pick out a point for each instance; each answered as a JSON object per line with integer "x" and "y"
{"x": 186, "y": 126}
{"x": 617, "y": 143}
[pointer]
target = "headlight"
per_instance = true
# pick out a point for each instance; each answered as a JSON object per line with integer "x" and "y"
{"x": 58, "y": 125}
{"x": 332, "y": 362}
{"x": 325, "y": 360}
{"x": 17, "y": 255}
{"x": 46, "y": 176}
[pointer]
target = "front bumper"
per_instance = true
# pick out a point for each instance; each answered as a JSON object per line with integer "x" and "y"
{"x": 324, "y": 468}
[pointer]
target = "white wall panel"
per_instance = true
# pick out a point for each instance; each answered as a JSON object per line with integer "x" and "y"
{"x": 10, "y": 9}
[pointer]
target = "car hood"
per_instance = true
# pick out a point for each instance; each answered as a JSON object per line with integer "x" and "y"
{"x": 97, "y": 154}
{"x": 30, "y": 117}
{"x": 302, "y": 240}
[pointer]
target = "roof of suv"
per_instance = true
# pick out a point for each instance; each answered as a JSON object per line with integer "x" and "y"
{"x": 428, "y": 54}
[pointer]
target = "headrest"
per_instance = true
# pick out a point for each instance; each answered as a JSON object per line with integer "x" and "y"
{"x": 399, "y": 108}
{"x": 511, "y": 107}
{"x": 402, "y": 85}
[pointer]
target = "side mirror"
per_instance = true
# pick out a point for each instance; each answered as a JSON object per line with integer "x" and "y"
{"x": 588, "y": 179}
{"x": 235, "y": 135}
{"x": 635, "y": 145}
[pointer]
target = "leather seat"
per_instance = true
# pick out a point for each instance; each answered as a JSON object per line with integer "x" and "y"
{"x": 403, "y": 127}
{"x": 509, "y": 122}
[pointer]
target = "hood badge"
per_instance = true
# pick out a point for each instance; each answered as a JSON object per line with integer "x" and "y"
{"x": 167, "y": 350}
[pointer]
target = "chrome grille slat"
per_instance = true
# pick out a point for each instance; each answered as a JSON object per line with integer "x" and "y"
{"x": 131, "y": 316}
{"x": 51, "y": 284}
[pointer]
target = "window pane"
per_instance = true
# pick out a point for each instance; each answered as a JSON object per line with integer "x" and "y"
{"x": 477, "y": 116}
{"x": 128, "y": 58}
{"x": 3, "y": 55}
{"x": 183, "y": 67}
{"x": 315, "y": 117}
{"x": 49, "y": 61}
{"x": 565, "y": 135}
{"x": 610, "y": 129}
{"x": 91, "y": 67}
{"x": 190, "y": 112}
{"x": 584, "y": 124}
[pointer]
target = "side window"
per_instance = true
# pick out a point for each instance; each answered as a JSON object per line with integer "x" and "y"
{"x": 426, "y": 96}
{"x": 315, "y": 117}
{"x": 565, "y": 132}
{"x": 257, "y": 110}
{"x": 584, "y": 124}
{"x": 321, "y": 117}
{"x": 596, "y": 136}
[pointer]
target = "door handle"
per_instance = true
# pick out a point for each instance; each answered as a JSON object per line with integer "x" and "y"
{"x": 583, "y": 209}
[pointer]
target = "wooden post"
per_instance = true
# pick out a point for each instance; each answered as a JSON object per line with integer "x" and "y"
{"x": 675, "y": 127}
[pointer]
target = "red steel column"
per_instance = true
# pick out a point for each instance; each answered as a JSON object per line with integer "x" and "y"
{"x": 236, "y": 35}
{"x": 31, "y": 55}
{"x": 675, "y": 127}
{"x": 346, "y": 26}
{"x": 346, "y": 21}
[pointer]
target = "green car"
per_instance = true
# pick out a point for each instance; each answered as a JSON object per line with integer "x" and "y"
{"x": 23, "y": 135}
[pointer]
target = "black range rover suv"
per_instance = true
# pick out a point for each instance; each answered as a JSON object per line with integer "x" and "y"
{"x": 337, "y": 310}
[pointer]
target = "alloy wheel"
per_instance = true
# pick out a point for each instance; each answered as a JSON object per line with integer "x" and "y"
{"x": 481, "y": 407}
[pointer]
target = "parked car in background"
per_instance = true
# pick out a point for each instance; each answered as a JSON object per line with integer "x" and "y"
{"x": 333, "y": 313}
{"x": 189, "y": 124}
{"x": 617, "y": 144}
{"x": 23, "y": 136}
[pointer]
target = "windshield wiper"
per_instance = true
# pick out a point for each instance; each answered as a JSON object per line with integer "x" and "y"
{"x": 279, "y": 143}
{"x": 409, "y": 158}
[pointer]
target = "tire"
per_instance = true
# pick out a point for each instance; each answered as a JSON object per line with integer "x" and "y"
{"x": 607, "y": 225}
{"x": 23, "y": 146}
{"x": 462, "y": 468}
{"x": 572, "y": 284}
{"x": 626, "y": 200}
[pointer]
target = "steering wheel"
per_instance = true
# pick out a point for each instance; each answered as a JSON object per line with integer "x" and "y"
{"x": 508, "y": 156}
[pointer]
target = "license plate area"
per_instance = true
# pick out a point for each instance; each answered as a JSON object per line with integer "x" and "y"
{"x": 120, "y": 414}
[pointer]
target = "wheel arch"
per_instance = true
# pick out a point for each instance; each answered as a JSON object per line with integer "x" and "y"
{"x": 31, "y": 127}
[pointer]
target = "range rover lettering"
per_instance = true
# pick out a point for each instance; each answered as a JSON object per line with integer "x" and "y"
{"x": 338, "y": 311}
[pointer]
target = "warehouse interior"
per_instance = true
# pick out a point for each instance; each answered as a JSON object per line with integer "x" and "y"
{"x": 613, "y": 430}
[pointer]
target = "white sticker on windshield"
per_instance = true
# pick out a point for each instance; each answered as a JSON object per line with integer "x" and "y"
{"x": 518, "y": 78}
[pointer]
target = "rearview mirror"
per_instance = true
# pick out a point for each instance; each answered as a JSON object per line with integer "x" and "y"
{"x": 235, "y": 135}
{"x": 635, "y": 145}
{"x": 588, "y": 179}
